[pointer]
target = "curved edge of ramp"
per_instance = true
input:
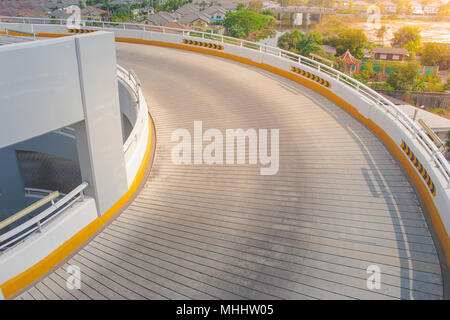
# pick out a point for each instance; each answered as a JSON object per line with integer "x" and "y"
{"x": 21, "y": 282}
{"x": 433, "y": 213}
{"x": 438, "y": 225}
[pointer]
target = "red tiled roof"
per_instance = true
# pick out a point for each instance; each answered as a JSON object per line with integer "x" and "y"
{"x": 349, "y": 59}
{"x": 90, "y": 9}
{"x": 176, "y": 25}
{"x": 25, "y": 12}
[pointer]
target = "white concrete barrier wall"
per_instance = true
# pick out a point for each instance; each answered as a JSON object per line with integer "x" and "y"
{"x": 40, "y": 89}
{"x": 39, "y": 245}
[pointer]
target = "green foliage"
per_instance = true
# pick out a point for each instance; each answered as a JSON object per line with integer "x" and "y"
{"x": 301, "y": 43}
{"x": 405, "y": 76}
{"x": 408, "y": 37}
{"x": 240, "y": 6}
{"x": 432, "y": 83}
{"x": 269, "y": 12}
{"x": 255, "y": 6}
{"x": 447, "y": 85}
{"x": 352, "y": 39}
{"x": 243, "y": 22}
{"x": 367, "y": 74}
{"x": 436, "y": 54}
{"x": 171, "y": 5}
{"x": 380, "y": 33}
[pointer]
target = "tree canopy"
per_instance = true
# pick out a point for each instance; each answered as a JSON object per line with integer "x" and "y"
{"x": 243, "y": 22}
{"x": 301, "y": 43}
{"x": 436, "y": 54}
{"x": 405, "y": 76}
{"x": 352, "y": 39}
{"x": 408, "y": 37}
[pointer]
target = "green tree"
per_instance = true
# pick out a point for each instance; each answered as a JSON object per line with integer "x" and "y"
{"x": 381, "y": 32}
{"x": 436, "y": 54}
{"x": 408, "y": 37}
{"x": 255, "y": 6}
{"x": 354, "y": 40}
{"x": 405, "y": 76}
{"x": 301, "y": 43}
{"x": 243, "y": 22}
{"x": 432, "y": 83}
{"x": 447, "y": 84}
{"x": 240, "y": 6}
{"x": 366, "y": 74}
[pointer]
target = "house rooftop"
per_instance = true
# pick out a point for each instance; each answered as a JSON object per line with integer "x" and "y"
{"x": 176, "y": 25}
{"x": 193, "y": 17}
{"x": 25, "y": 12}
{"x": 391, "y": 51}
{"x": 161, "y": 18}
{"x": 213, "y": 9}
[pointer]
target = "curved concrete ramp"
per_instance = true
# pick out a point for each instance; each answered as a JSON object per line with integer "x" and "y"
{"x": 339, "y": 203}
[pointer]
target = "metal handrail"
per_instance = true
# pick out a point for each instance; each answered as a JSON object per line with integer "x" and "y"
{"x": 21, "y": 32}
{"x": 12, "y": 237}
{"x": 24, "y": 212}
{"x": 364, "y": 91}
{"x": 38, "y": 193}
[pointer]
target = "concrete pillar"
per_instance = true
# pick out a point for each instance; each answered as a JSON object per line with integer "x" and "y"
{"x": 99, "y": 136}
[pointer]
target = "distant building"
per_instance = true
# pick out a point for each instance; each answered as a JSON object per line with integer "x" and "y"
{"x": 92, "y": 13}
{"x": 432, "y": 8}
{"x": 360, "y": 5}
{"x": 416, "y": 7}
{"x": 30, "y": 13}
{"x": 389, "y": 7}
{"x": 5, "y": 13}
{"x": 187, "y": 9}
{"x": 215, "y": 13}
{"x": 390, "y": 54}
{"x": 161, "y": 18}
{"x": 175, "y": 25}
{"x": 195, "y": 20}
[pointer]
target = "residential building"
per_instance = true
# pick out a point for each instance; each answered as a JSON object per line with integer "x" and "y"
{"x": 92, "y": 13}
{"x": 216, "y": 13}
{"x": 389, "y": 7}
{"x": 161, "y": 18}
{"x": 390, "y": 54}
{"x": 360, "y": 5}
{"x": 187, "y": 9}
{"x": 416, "y": 7}
{"x": 175, "y": 25}
{"x": 195, "y": 20}
{"x": 432, "y": 8}
{"x": 30, "y": 13}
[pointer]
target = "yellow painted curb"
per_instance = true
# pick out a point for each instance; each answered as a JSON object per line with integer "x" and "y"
{"x": 20, "y": 281}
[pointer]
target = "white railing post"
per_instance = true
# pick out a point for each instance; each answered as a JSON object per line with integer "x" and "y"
{"x": 39, "y": 227}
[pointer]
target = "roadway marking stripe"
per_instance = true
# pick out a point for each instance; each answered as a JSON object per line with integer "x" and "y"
{"x": 311, "y": 76}
{"x": 203, "y": 44}
{"x": 426, "y": 177}
{"x": 80, "y": 30}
